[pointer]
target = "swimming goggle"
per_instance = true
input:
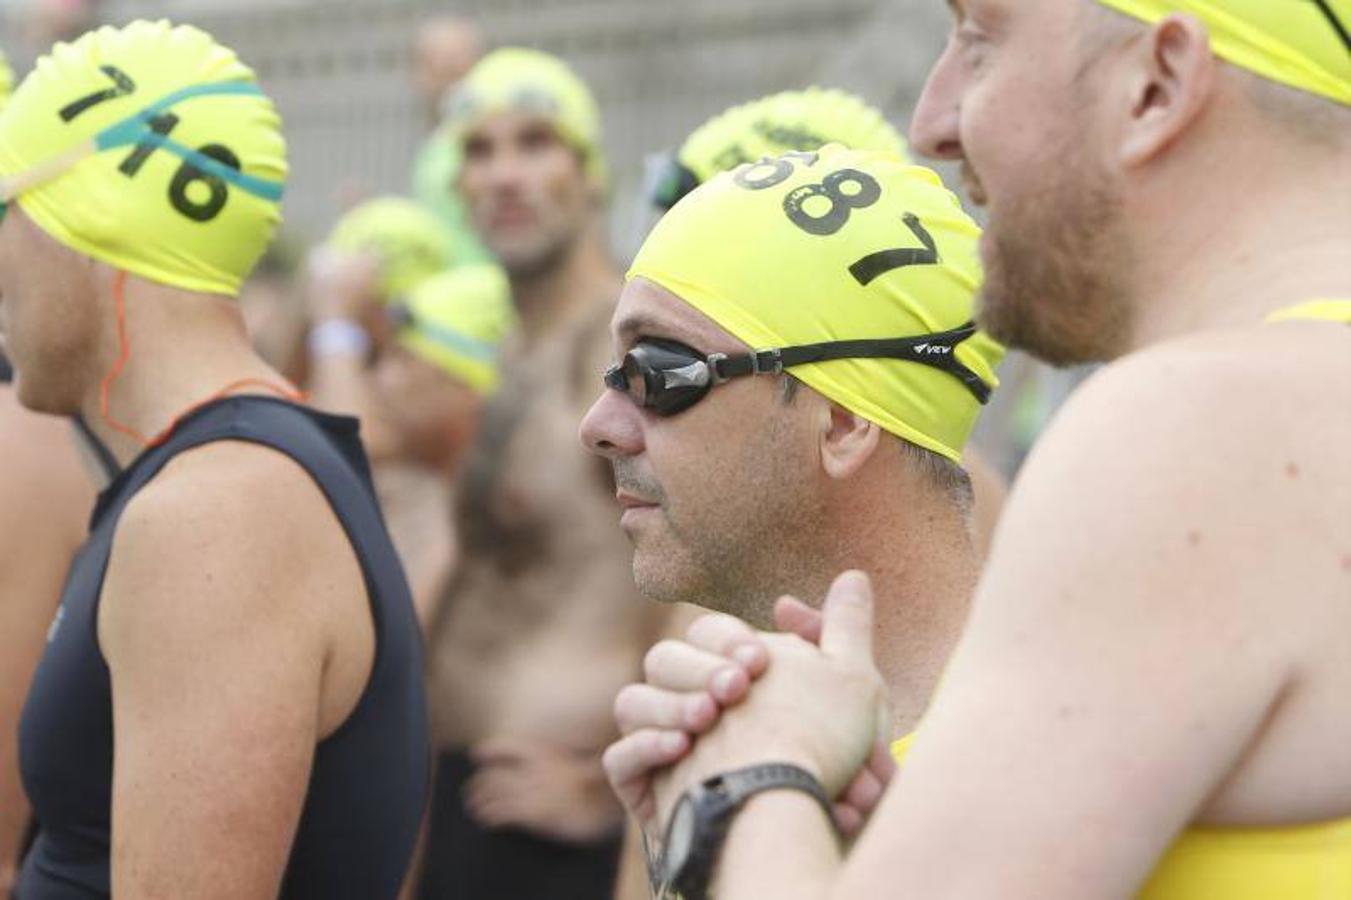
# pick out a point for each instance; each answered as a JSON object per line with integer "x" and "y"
{"x": 668, "y": 377}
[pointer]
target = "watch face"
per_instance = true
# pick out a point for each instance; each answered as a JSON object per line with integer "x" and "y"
{"x": 679, "y": 839}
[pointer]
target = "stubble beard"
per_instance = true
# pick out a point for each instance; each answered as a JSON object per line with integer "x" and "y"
{"x": 1055, "y": 278}
{"x": 736, "y": 561}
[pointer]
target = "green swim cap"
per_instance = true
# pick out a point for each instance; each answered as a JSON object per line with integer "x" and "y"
{"x": 149, "y": 147}
{"x": 409, "y": 242}
{"x": 773, "y": 125}
{"x": 457, "y": 320}
{"x": 1301, "y": 44}
{"x": 837, "y": 245}
{"x": 518, "y": 79}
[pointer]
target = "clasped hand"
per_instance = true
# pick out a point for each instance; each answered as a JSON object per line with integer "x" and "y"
{"x": 729, "y": 696}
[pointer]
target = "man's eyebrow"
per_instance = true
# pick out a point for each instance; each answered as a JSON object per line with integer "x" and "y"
{"x": 638, "y": 323}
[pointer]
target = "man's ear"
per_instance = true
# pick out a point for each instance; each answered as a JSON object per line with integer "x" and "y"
{"x": 1172, "y": 77}
{"x": 848, "y": 441}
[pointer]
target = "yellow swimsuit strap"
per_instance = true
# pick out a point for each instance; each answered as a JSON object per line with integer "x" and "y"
{"x": 1322, "y": 310}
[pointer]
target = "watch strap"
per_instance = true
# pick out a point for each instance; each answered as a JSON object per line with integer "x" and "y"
{"x": 718, "y": 799}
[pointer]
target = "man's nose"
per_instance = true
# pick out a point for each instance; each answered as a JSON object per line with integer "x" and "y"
{"x": 612, "y": 427}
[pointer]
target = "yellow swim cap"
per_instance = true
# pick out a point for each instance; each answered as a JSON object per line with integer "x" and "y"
{"x": 409, "y": 241}
{"x": 151, "y": 148}
{"x": 457, "y": 320}
{"x": 1302, "y": 44}
{"x": 517, "y": 79}
{"x": 839, "y": 245}
{"x": 791, "y": 120}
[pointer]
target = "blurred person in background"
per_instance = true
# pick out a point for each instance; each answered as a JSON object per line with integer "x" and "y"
{"x": 1150, "y": 698}
{"x": 275, "y": 315}
{"x": 50, "y": 21}
{"x": 541, "y": 624}
{"x": 44, "y": 504}
{"x": 230, "y": 703}
{"x": 409, "y": 347}
{"x": 45, "y": 497}
{"x": 444, "y": 50}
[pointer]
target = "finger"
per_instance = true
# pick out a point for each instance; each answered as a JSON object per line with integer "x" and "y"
{"x": 864, "y": 791}
{"x": 479, "y": 793}
{"x": 795, "y": 617}
{"x": 847, "y": 618}
{"x": 881, "y": 763}
{"x": 730, "y": 638}
{"x": 496, "y": 813}
{"x": 639, "y": 706}
{"x": 630, "y": 761}
{"x": 677, "y": 666}
{"x": 847, "y": 819}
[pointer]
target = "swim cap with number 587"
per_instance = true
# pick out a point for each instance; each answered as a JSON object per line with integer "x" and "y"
{"x": 837, "y": 245}
{"x": 151, "y": 148}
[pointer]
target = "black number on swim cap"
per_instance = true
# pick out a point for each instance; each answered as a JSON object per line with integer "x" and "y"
{"x": 782, "y": 166}
{"x": 883, "y": 261}
{"x": 188, "y": 174}
{"x": 867, "y": 192}
{"x": 122, "y": 85}
{"x": 161, "y": 125}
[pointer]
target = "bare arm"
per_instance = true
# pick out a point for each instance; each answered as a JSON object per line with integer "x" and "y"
{"x": 631, "y": 883}
{"x": 1121, "y": 660}
{"x": 215, "y": 627}
{"x": 44, "y": 503}
{"x": 342, "y": 290}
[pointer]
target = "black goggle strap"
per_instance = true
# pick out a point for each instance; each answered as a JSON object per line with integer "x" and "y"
{"x": 1336, "y": 23}
{"x": 935, "y": 350}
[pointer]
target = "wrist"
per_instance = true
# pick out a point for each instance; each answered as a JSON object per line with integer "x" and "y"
{"x": 700, "y": 822}
{"x": 338, "y": 336}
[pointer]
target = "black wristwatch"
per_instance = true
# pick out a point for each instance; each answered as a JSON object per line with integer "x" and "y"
{"x": 703, "y": 815}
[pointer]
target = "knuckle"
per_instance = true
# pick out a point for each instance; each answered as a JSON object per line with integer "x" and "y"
{"x": 623, "y": 705}
{"x": 716, "y": 630}
{"x": 657, "y": 657}
{"x": 612, "y": 758}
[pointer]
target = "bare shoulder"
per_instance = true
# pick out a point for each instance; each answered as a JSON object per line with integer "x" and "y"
{"x": 228, "y": 520}
{"x": 1227, "y": 404}
{"x": 1210, "y": 466}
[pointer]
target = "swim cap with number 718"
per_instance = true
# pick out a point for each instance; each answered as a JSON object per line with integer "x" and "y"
{"x": 150, "y": 148}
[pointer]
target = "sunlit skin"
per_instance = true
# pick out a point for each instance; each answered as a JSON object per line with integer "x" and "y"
{"x": 47, "y": 318}
{"x": 716, "y": 514}
{"x": 1053, "y": 249}
{"x": 526, "y": 189}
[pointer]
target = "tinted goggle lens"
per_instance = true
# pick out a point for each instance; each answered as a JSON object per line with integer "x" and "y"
{"x": 663, "y": 376}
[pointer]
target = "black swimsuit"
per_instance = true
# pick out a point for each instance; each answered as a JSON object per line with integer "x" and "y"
{"x": 368, "y": 784}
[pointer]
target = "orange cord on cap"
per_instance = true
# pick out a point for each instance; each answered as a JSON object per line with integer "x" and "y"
{"x": 124, "y": 354}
